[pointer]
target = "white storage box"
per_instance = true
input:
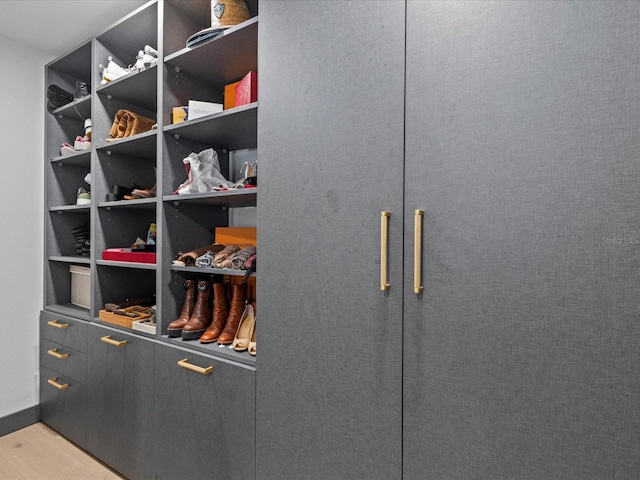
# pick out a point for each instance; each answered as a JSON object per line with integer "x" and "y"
{"x": 200, "y": 109}
{"x": 80, "y": 285}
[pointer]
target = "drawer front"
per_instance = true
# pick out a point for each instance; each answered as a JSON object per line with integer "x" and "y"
{"x": 209, "y": 414}
{"x": 64, "y": 360}
{"x": 66, "y": 331}
{"x": 63, "y": 405}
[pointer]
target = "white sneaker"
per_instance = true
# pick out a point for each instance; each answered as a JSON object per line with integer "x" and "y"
{"x": 112, "y": 71}
{"x": 82, "y": 144}
{"x": 150, "y": 51}
{"x": 83, "y": 197}
{"x": 87, "y": 128}
{"x": 67, "y": 149}
{"x": 139, "y": 65}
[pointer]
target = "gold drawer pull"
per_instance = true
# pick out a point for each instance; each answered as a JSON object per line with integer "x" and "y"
{"x": 54, "y": 323}
{"x": 54, "y": 353}
{"x": 417, "y": 252}
{"x": 194, "y": 368}
{"x": 111, "y": 341}
{"x": 59, "y": 386}
{"x": 384, "y": 248}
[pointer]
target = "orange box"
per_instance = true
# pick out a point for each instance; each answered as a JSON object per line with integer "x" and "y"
{"x": 179, "y": 114}
{"x": 237, "y": 236}
{"x": 247, "y": 89}
{"x": 230, "y": 95}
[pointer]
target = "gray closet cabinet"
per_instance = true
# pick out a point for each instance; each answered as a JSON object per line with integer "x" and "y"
{"x": 521, "y": 356}
{"x": 204, "y": 423}
{"x": 512, "y": 127}
{"x": 120, "y": 396}
{"x": 331, "y": 132}
{"x": 63, "y": 375}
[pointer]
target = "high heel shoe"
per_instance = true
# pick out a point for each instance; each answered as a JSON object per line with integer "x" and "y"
{"x": 146, "y": 192}
{"x": 245, "y": 327}
{"x": 252, "y": 342}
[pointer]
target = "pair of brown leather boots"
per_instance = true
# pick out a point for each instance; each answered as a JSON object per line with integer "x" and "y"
{"x": 198, "y": 320}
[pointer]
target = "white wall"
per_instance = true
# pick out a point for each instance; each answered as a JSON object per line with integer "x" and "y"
{"x": 21, "y": 222}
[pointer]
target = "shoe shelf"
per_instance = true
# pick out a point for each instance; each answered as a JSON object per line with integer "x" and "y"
{"x": 142, "y": 204}
{"x": 78, "y": 159}
{"x": 184, "y": 221}
{"x": 195, "y": 271}
{"x": 75, "y": 260}
{"x": 140, "y": 145}
{"x": 136, "y": 265}
{"x": 79, "y": 108}
{"x": 232, "y": 129}
{"x": 224, "y": 59}
{"x": 229, "y": 198}
{"x": 135, "y": 88}
{"x": 71, "y": 208}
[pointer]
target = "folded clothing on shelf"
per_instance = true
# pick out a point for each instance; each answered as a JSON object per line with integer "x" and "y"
{"x": 127, "y": 123}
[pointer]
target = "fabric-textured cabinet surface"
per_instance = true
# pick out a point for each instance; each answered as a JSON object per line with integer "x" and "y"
{"x": 522, "y": 355}
{"x": 121, "y": 401}
{"x": 331, "y": 142}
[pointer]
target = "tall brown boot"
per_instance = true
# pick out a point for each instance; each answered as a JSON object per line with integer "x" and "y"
{"x": 235, "y": 312}
{"x": 201, "y": 315}
{"x": 220, "y": 313}
{"x": 174, "y": 329}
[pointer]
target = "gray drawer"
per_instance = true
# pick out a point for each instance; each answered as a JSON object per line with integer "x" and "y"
{"x": 63, "y": 360}
{"x": 63, "y": 405}
{"x": 66, "y": 331}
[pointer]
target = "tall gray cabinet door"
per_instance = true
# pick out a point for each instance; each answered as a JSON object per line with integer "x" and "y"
{"x": 522, "y": 354}
{"x": 120, "y": 401}
{"x": 330, "y": 136}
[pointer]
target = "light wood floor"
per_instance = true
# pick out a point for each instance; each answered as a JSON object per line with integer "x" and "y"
{"x": 39, "y": 453}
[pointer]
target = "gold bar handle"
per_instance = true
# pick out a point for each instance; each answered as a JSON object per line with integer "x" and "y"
{"x": 54, "y": 323}
{"x": 184, "y": 363}
{"x": 54, "y": 353}
{"x": 59, "y": 386}
{"x": 417, "y": 252}
{"x": 111, "y": 341}
{"x": 384, "y": 250}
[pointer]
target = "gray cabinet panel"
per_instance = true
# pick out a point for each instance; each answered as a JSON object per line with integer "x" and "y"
{"x": 64, "y": 409}
{"x": 521, "y": 356}
{"x": 64, "y": 330}
{"x": 204, "y": 424}
{"x": 120, "y": 396}
{"x": 330, "y": 132}
{"x": 63, "y": 360}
